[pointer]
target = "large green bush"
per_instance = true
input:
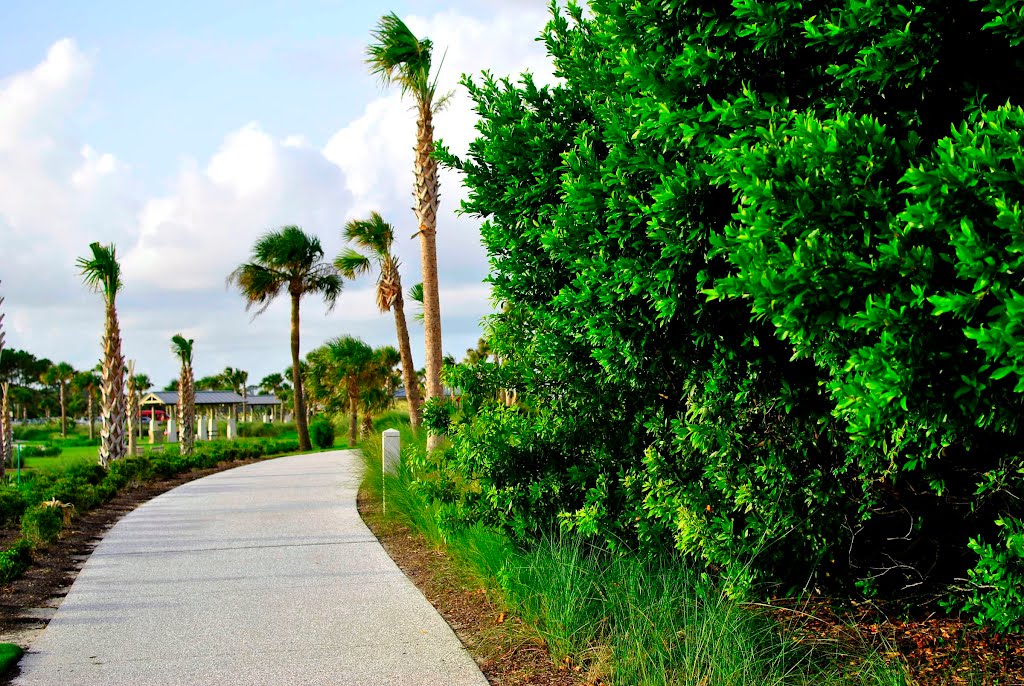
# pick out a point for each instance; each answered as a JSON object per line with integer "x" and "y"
{"x": 761, "y": 265}
{"x": 321, "y": 432}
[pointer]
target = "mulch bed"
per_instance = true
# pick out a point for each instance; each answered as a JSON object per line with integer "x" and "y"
{"x": 938, "y": 650}
{"x": 508, "y": 653}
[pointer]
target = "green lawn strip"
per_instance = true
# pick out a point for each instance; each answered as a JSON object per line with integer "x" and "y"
{"x": 9, "y": 656}
{"x": 627, "y": 619}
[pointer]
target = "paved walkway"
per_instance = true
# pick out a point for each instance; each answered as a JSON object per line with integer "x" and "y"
{"x": 264, "y": 574}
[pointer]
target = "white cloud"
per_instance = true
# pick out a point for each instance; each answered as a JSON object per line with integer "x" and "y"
{"x": 58, "y": 193}
{"x": 192, "y": 238}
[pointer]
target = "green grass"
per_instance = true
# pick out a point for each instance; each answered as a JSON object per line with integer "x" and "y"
{"x": 9, "y": 656}
{"x": 649, "y": 622}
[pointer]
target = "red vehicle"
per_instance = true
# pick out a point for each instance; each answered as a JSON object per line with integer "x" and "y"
{"x": 153, "y": 413}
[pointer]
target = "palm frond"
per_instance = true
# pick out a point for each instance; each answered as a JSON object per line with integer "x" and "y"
{"x": 325, "y": 282}
{"x": 397, "y": 56}
{"x": 182, "y": 348}
{"x": 352, "y": 264}
{"x": 374, "y": 233}
{"x": 258, "y": 285}
{"x": 416, "y": 295}
{"x": 101, "y": 271}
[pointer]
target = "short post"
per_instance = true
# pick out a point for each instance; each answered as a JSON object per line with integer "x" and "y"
{"x": 152, "y": 428}
{"x": 392, "y": 443}
{"x": 391, "y": 457}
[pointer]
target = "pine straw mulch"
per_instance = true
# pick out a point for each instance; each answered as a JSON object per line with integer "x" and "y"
{"x": 937, "y": 650}
{"x": 508, "y": 653}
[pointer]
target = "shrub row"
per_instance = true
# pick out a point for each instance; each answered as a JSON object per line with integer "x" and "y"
{"x": 761, "y": 268}
{"x": 43, "y": 504}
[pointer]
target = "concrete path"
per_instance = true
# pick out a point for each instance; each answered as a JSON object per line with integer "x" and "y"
{"x": 264, "y": 574}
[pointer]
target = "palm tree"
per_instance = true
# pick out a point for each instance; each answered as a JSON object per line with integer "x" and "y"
{"x": 288, "y": 260}
{"x": 274, "y": 384}
{"x": 6, "y": 444}
{"x": 133, "y": 408}
{"x": 376, "y": 236}
{"x": 142, "y": 384}
{"x": 397, "y": 56}
{"x": 182, "y": 348}
{"x": 61, "y": 375}
{"x": 378, "y": 393}
{"x": 336, "y": 373}
{"x": 88, "y": 384}
{"x": 102, "y": 273}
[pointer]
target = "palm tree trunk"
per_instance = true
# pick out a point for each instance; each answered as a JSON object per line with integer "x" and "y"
{"x": 412, "y": 386}
{"x": 353, "y": 422}
{"x": 63, "y": 411}
{"x": 92, "y": 418}
{"x": 299, "y": 401}
{"x": 113, "y": 413}
{"x": 427, "y": 192}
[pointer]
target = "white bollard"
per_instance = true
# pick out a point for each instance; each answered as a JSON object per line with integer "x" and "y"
{"x": 391, "y": 440}
{"x": 232, "y": 429}
{"x": 152, "y": 430}
{"x": 172, "y": 431}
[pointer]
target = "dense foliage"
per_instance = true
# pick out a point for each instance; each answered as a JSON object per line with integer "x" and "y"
{"x": 760, "y": 264}
{"x": 321, "y": 432}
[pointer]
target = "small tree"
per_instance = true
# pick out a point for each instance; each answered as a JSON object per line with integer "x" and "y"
{"x": 288, "y": 260}
{"x": 182, "y": 348}
{"x": 102, "y": 274}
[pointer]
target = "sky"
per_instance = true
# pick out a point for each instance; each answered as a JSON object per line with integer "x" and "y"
{"x": 183, "y": 131}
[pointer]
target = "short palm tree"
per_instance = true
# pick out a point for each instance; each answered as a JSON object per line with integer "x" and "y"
{"x": 274, "y": 384}
{"x": 60, "y": 375}
{"x": 182, "y": 349}
{"x": 102, "y": 274}
{"x": 397, "y": 56}
{"x": 337, "y": 372}
{"x": 88, "y": 384}
{"x": 133, "y": 408}
{"x": 376, "y": 236}
{"x": 142, "y": 384}
{"x": 288, "y": 260}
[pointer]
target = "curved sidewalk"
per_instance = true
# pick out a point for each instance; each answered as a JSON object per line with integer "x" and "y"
{"x": 264, "y": 574}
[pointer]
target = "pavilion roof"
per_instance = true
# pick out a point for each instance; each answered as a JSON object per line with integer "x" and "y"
{"x": 202, "y": 398}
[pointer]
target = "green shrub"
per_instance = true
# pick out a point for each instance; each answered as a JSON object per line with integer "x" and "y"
{"x": 40, "y": 451}
{"x": 321, "y": 432}
{"x": 263, "y": 430}
{"x": 42, "y": 524}
{"x": 762, "y": 306}
{"x": 997, "y": 581}
{"x": 15, "y": 560}
{"x": 12, "y": 505}
{"x": 36, "y": 432}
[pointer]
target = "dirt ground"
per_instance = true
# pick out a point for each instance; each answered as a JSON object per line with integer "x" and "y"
{"x": 507, "y": 652}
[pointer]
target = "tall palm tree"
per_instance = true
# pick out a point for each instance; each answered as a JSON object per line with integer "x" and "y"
{"x": 88, "y": 384}
{"x": 6, "y": 444}
{"x": 377, "y": 236}
{"x": 182, "y": 348}
{"x": 102, "y": 274}
{"x": 289, "y": 260}
{"x": 397, "y": 56}
{"x": 60, "y": 375}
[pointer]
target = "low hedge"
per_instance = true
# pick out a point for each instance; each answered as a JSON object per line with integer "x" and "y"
{"x": 40, "y": 451}
{"x": 38, "y": 505}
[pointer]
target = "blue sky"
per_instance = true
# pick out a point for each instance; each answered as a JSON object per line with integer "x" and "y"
{"x": 182, "y": 131}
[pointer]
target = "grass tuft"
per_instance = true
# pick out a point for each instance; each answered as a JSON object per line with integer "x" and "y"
{"x": 622, "y": 618}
